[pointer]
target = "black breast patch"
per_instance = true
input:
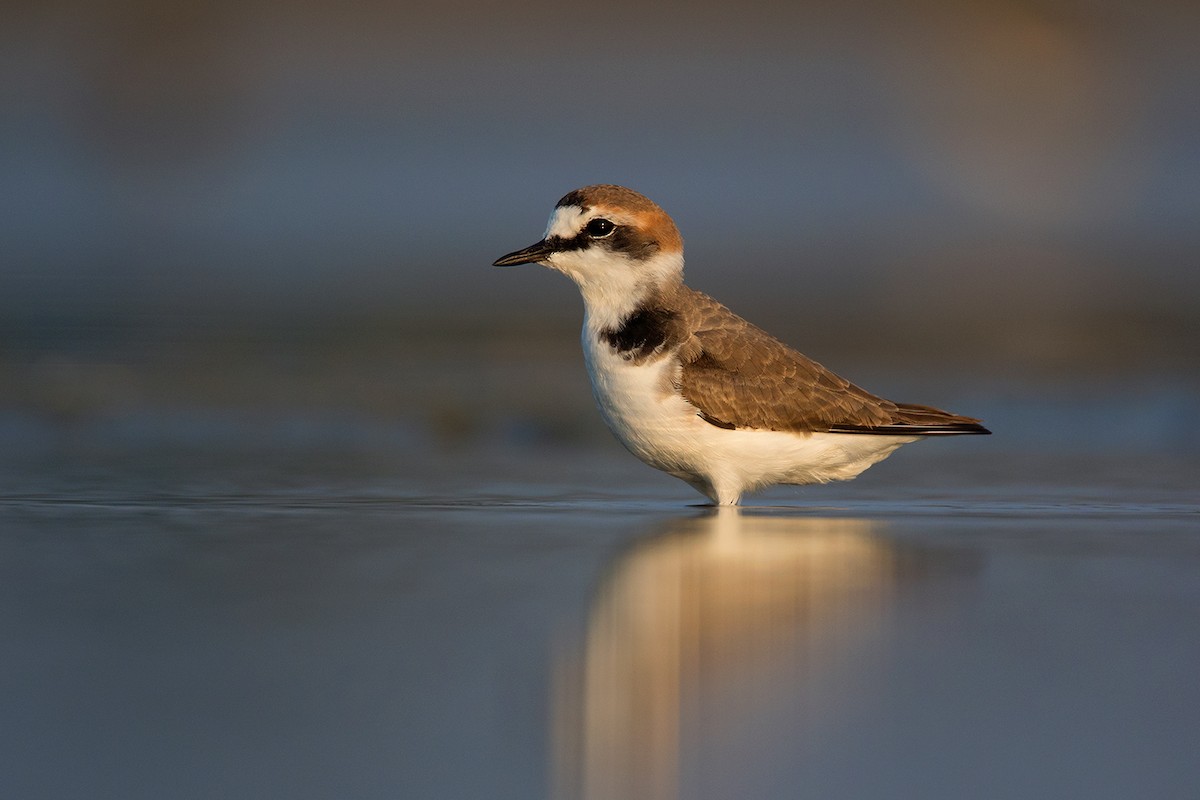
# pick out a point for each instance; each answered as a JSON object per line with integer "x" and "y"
{"x": 645, "y": 332}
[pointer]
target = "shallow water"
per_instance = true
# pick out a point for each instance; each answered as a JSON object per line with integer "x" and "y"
{"x": 192, "y": 612}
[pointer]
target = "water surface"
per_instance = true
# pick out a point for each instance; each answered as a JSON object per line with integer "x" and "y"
{"x": 318, "y": 617}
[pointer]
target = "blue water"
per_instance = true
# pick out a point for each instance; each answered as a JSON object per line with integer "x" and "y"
{"x": 188, "y": 613}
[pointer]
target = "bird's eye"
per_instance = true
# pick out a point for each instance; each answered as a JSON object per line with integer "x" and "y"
{"x": 599, "y": 228}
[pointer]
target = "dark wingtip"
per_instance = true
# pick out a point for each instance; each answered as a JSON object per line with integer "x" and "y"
{"x": 957, "y": 429}
{"x": 949, "y": 429}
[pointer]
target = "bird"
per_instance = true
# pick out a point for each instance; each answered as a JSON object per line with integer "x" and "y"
{"x": 690, "y": 387}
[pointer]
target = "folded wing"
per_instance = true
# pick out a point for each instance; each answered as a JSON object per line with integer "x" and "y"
{"x": 739, "y": 376}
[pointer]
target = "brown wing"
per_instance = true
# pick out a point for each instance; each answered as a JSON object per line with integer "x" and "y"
{"x": 739, "y": 376}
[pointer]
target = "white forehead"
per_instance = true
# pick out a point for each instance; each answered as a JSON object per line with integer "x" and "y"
{"x": 566, "y": 221}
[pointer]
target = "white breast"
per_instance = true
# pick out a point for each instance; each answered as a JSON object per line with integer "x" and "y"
{"x": 643, "y": 409}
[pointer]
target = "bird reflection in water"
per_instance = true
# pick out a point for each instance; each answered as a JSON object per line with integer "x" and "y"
{"x": 698, "y": 640}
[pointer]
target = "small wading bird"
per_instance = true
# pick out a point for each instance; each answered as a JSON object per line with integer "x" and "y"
{"x": 693, "y": 389}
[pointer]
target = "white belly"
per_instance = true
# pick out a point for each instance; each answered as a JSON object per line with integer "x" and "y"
{"x": 645, "y": 411}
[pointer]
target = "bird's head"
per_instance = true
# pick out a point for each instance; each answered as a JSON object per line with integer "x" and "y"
{"x": 616, "y": 244}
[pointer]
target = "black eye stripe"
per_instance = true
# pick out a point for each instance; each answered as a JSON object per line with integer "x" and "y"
{"x": 562, "y": 244}
{"x": 585, "y": 237}
{"x": 625, "y": 239}
{"x": 632, "y": 242}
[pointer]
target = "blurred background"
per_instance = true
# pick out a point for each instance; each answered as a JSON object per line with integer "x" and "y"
{"x": 296, "y": 490}
{"x": 257, "y": 206}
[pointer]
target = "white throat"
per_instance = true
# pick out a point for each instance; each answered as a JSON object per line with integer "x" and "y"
{"x": 614, "y": 288}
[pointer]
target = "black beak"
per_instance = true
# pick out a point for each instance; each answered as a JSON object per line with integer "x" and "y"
{"x": 530, "y": 255}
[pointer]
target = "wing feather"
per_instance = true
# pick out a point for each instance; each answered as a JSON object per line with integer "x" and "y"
{"x": 738, "y": 375}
